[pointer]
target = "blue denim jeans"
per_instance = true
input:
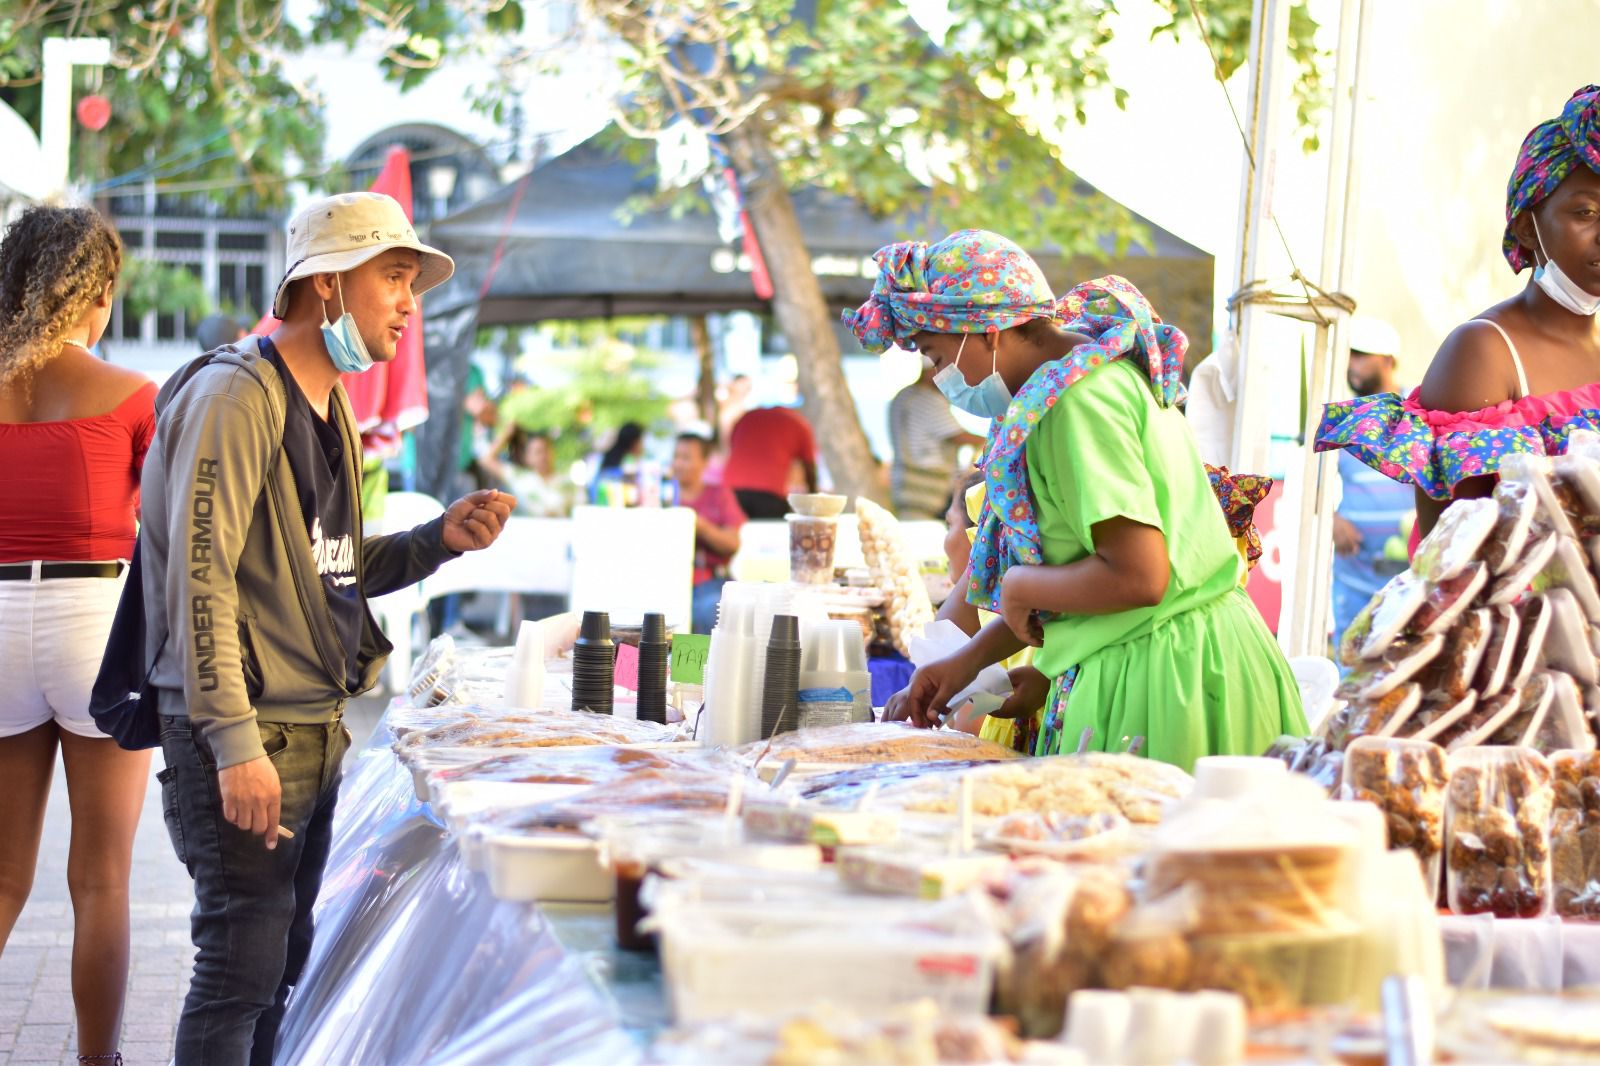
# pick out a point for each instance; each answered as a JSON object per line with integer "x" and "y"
{"x": 251, "y": 923}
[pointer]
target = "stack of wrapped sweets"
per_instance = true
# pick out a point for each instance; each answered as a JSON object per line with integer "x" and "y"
{"x": 896, "y": 572}
{"x": 1490, "y": 637}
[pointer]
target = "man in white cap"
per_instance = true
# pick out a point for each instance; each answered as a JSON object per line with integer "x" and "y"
{"x": 256, "y": 579}
{"x": 1370, "y": 526}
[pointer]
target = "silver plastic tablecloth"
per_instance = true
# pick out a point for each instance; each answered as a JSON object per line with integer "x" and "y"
{"x": 416, "y": 963}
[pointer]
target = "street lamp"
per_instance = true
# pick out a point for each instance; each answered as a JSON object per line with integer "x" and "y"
{"x": 441, "y": 186}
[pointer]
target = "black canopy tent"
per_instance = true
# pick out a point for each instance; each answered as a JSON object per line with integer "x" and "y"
{"x": 555, "y": 245}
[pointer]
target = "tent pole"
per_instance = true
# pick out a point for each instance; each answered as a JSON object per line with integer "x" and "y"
{"x": 1269, "y": 47}
{"x": 1308, "y": 593}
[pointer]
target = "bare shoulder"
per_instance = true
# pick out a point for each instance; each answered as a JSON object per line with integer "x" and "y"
{"x": 1472, "y": 369}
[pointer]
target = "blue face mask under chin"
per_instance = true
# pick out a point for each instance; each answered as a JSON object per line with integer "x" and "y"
{"x": 988, "y": 399}
{"x": 345, "y": 346}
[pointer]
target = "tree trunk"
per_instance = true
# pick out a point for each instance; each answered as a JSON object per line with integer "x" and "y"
{"x": 700, "y": 333}
{"x": 803, "y": 315}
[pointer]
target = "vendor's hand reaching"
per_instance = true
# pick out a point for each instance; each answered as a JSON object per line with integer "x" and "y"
{"x": 475, "y": 521}
{"x": 1020, "y": 618}
{"x": 897, "y": 708}
{"x": 928, "y": 696}
{"x": 1346, "y": 537}
{"x": 1029, "y": 690}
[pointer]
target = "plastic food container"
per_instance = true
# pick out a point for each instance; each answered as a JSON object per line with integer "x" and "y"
{"x": 811, "y": 545}
{"x": 562, "y": 868}
{"x": 721, "y": 957}
{"x": 1406, "y": 780}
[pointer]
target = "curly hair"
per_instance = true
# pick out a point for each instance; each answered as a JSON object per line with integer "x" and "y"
{"x": 54, "y": 263}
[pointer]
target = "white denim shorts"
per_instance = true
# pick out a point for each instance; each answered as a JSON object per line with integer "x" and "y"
{"x": 52, "y": 635}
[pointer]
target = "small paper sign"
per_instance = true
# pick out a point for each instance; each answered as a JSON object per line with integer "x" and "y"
{"x": 627, "y": 671}
{"x": 689, "y": 651}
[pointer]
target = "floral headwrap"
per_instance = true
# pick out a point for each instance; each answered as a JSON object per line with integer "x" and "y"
{"x": 1123, "y": 325}
{"x": 973, "y": 281}
{"x": 1548, "y": 155}
{"x": 1240, "y": 495}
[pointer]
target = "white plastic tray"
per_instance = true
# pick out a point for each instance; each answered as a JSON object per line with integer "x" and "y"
{"x": 557, "y": 868}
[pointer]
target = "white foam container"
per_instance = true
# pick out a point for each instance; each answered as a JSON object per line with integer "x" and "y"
{"x": 720, "y": 960}
{"x": 555, "y": 868}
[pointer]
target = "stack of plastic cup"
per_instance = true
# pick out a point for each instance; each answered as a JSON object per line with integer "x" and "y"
{"x": 655, "y": 654}
{"x": 835, "y": 657}
{"x": 781, "y": 680}
{"x": 594, "y": 664}
{"x": 525, "y": 677}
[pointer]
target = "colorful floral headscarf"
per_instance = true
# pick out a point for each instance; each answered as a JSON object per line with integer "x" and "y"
{"x": 1548, "y": 155}
{"x": 1123, "y": 325}
{"x": 973, "y": 281}
{"x": 1240, "y": 495}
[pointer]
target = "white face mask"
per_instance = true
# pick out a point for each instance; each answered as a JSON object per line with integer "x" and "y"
{"x": 1560, "y": 288}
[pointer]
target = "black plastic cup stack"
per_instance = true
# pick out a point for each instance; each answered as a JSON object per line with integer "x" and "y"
{"x": 594, "y": 664}
{"x": 780, "y": 687}
{"x": 655, "y": 654}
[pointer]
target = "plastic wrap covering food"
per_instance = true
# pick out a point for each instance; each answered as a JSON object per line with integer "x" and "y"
{"x": 918, "y": 871}
{"x": 1060, "y": 922}
{"x": 449, "y": 673}
{"x": 1534, "y": 471}
{"x": 415, "y": 962}
{"x": 1456, "y": 540}
{"x": 641, "y": 791}
{"x": 1450, "y": 676}
{"x": 1126, "y": 785}
{"x": 1381, "y": 716}
{"x": 1513, "y": 584}
{"x": 539, "y": 729}
{"x": 1462, "y": 729}
{"x": 1404, "y": 659}
{"x": 896, "y": 572}
{"x": 1406, "y": 779}
{"x": 588, "y": 765}
{"x": 1539, "y": 1030}
{"x": 1518, "y": 508}
{"x": 1383, "y": 619}
{"x": 1575, "y": 834}
{"x": 752, "y": 946}
{"x": 1312, "y": 758}
{"x": 1501, "y": 653}
{"x": 875, "y": 742}
{"x": 1567, "y": 645}
{"x": 1576, "y": 482}
{"x": 1276, "y": 859}
{"x": 1062, "y": 836}
{"x": 828, "y": 826}
{"x": 1497, "y": 832}
{"x": 917, "y": 1035}
{"x": 1449, "y": 599}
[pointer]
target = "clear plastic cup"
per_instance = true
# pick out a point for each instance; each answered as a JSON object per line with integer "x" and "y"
{"x": 811, "y": 544}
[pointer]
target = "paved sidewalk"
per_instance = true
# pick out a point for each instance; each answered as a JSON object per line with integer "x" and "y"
{"x": 37, "y": 1024}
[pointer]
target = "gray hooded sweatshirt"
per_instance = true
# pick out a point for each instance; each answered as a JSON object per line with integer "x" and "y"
{"x": 230, "y": 583}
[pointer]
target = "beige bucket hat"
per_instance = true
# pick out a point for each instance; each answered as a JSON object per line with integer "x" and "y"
{"x": 341, "y": 232}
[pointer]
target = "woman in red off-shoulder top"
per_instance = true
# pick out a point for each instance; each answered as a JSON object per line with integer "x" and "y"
{"x": 73, "y": 434}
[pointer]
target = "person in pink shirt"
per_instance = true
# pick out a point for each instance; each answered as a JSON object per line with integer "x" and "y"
{"x": 716, "y": 525}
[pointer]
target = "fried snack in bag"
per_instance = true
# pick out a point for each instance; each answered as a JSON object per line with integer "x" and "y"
{"x": 1436, "y": 716}
{"x": 1575, "y": 834}
{"x": 1497, "y": 841}
{"x": 1529, "y": 715}
{"x": 1516, "y": 581}
{"x": 1487, "y": 713}
{"x": 1449, "y": 599}
{"x": 1569, "y": 569}
{"x": 1562, "y": 727}
{"x": 1567, "y": 646}
{"x": 1383, "y": 619}
{"x": 1534, "y": 471}
{"x": 1404, "y": 660}
{"x": 1450, "y": 676}
{"x": 1518, "y": 506}
{"x": 1501, "y": 653}
{"x": 1530, "y": 646}
{"x": 1576, "y": 483}
{"x": 1381, "y": 716}
{"x": 1406, "y": 779}
{"x": 1456, "y": 540}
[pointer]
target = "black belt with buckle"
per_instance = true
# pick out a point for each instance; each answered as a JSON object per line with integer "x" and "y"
{"x": 24, "y": 571}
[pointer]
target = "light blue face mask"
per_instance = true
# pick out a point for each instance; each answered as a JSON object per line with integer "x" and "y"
{"x": 989, "y": 398}
{"x": 345, "y": 346}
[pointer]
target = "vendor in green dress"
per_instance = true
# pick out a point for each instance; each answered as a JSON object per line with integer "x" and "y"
{"x": 1101, "y": 541}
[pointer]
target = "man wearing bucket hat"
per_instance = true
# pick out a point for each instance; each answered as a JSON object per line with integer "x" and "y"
{"x": 256, "y": 579}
